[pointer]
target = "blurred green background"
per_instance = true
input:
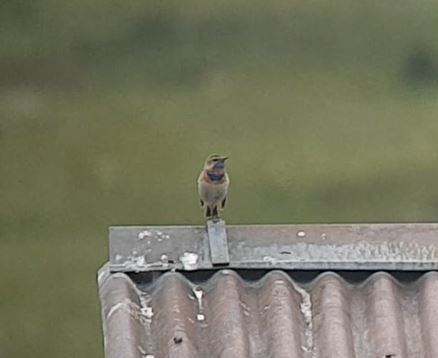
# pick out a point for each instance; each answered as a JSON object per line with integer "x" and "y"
{"x": 327, "y": 109}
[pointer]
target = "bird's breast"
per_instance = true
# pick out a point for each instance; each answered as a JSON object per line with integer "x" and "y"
{"x": 212, "y": 191}
{"x": 214, "y": 177}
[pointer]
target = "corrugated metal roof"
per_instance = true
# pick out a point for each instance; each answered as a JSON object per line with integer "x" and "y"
{"x": 229, "y": 315}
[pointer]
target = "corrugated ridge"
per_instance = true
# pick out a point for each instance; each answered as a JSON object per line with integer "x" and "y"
{"x": 428, "y": 308}
{"x": 228, "y": 334}
{"x": 281, "y": 317}
{"x": 332, "y": 317}
{"x": 409, "y": 298}
{"x": 173, "y": 326}
{"x": 124, "y": 324}
{"x": 384, "y": 317}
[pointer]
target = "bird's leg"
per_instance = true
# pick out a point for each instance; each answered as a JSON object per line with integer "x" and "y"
{"x": 215, "y": 214}
{"x": 208, "y": 212}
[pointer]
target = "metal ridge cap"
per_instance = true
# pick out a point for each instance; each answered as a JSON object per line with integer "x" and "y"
{"x": 406, "y": 246}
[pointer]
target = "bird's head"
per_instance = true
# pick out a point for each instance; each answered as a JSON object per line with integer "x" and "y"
{"x": 215, "y": 161}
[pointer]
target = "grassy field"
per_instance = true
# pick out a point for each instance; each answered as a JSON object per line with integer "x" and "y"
{"x": 328, "y": 112}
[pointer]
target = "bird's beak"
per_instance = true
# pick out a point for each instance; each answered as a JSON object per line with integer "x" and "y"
{"x": 220, "y": 164}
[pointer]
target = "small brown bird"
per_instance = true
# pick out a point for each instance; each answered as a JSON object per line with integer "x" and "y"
{"x": 213, "y": 185}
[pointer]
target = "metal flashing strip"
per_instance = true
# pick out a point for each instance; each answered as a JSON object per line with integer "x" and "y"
{"x": 218, "y": 243}
{"x": 411, "y": 247}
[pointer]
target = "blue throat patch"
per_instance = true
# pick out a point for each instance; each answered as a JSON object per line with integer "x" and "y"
{"x": 215, "y": 176}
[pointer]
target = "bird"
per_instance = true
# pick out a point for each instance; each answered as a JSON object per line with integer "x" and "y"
{"x": 213, "y": 185}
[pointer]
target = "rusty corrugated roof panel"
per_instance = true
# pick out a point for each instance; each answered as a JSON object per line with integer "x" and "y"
{"x": 227, "y": 315}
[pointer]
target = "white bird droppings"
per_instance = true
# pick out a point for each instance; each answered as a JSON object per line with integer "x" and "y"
{"x": 306, "y": 311}
{"x": 147, "y": 312}
{"x": 189, "y": 261}
{"x": 144, "y": 234}
{"x": 198, "y": 294}
{"x": 301, "y": 233}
